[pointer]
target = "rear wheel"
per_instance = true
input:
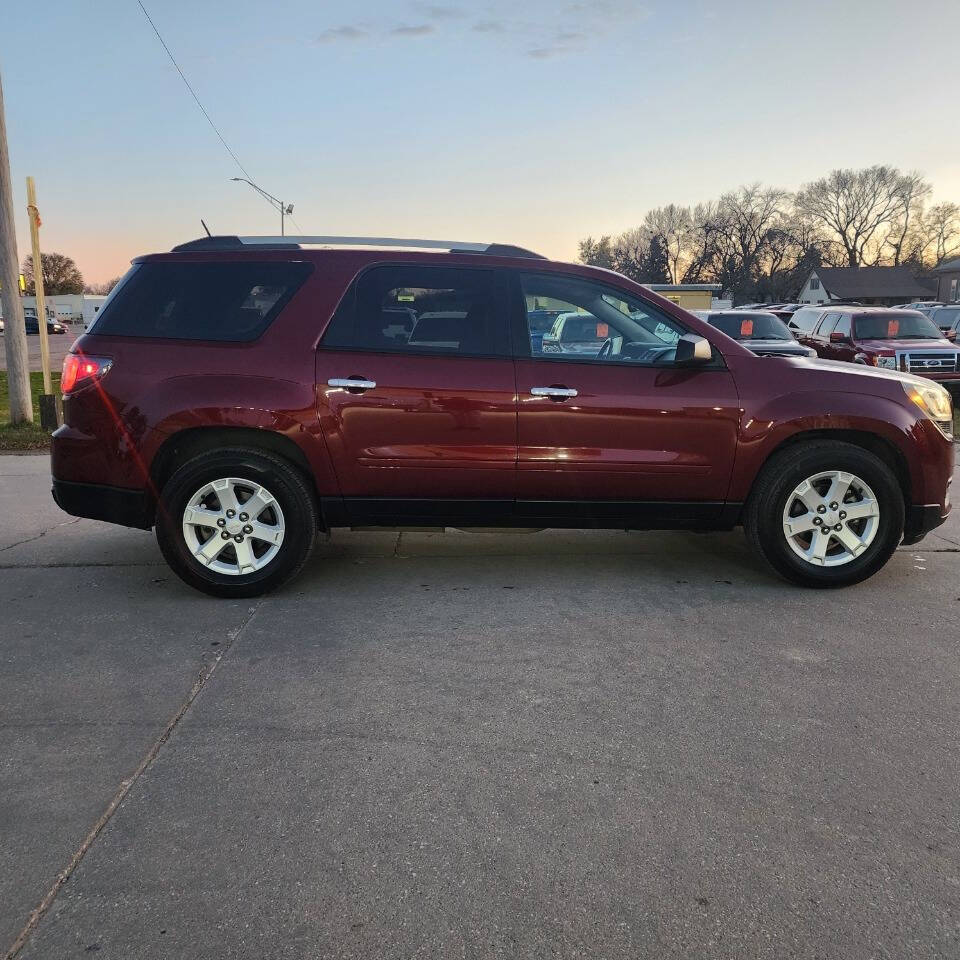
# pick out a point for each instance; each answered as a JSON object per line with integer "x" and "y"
{"x": 825, "y": 514}
{"x": 236, "y": 523}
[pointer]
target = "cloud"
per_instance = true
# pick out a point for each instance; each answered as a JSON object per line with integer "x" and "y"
{"x": 564, "y": 41}
{"x": 436, "y": 11}
{"x": 416, "y": 30}
{"x": 544, "y": 53}
{"x": 610, "y": 9}
{"x": 489, "y": 26}
{"x": 346, "y": 32}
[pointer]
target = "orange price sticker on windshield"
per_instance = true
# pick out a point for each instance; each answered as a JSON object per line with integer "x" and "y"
{"x": 603, "y": 330}
{"x": 893, "y": 328}
{"x": 746, "y": 328}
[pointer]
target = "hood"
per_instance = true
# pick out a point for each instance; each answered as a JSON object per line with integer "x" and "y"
{"x": 863, "y": 373}
{"x": 894, "y": 345}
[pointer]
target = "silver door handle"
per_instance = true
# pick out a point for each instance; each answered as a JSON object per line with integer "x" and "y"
{"x": 558, "y": 392}
{"x": 349, "y": 384}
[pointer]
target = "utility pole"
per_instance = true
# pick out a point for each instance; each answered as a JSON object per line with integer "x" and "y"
{"x": 15, "y": 332}
{"x": 34, "y": 215}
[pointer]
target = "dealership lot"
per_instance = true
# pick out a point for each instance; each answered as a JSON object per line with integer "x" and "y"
{"x": 555, "y": 744}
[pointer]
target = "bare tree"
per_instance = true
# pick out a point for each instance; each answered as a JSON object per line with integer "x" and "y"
{"x": 631, "y": 250}
{"x": 857, "y": 207}
{"x": 901, "y": 237}
{"x": 943, "y": 221}
{"x": 673, "y": 225}
{"x": 596, "y": 253}
{"x": 101, "y": 289}
{"x": 60, "y": 275}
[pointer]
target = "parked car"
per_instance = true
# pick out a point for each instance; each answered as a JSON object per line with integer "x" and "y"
{"x": 540, "y": 322}
{"x": 805, "y": 318}
{"x": 238, "y": 395}
{"x": 886, "y": 337}
{"x": 760, "y": 332}
{"x": 33, "y": 325}
{"x": 581, "y": 334}
{"x": 920, "y": 305}
{"x": 945, "y": 317}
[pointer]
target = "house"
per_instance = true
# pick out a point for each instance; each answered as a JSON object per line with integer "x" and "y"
{"x": 878, "y": 286}
{"x": 948, "y": 280}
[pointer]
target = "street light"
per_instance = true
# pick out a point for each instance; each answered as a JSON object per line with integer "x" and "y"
{"x": 285, "y": 208}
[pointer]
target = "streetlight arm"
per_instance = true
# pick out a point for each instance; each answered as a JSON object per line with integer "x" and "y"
{"x": 260, "y": 190}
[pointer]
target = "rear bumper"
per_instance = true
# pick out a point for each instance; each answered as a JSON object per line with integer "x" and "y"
{"x": 129, "y": 508}
{"x": 921, "y": 519}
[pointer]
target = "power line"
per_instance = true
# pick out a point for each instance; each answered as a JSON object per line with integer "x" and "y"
{"x": 193, "y": 92}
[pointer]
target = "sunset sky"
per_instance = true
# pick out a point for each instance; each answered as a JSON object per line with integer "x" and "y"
{"x": 532, "y": 123}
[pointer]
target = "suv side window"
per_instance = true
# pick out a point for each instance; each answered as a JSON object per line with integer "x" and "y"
{"x": 843, "y": 325}
{"x": 421, "y": 309}
{"x": 827, "y": 325}
{"x": 805, "y": 319}
{"x": 193, "y": 300}
{"x": 592, "y": 323}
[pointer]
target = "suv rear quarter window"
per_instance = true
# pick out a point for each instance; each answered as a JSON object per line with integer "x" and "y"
{"x": 181, "y": 300}
{"x": 414, "y": 308}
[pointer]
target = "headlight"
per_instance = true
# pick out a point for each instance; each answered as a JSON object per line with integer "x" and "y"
{"x": 934, "y": 401}
{"x": 889, "y": 362}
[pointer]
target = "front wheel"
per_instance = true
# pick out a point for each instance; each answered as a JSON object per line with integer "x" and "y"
{"x": 236, "y": 523}
{"x": 825, "y": 514}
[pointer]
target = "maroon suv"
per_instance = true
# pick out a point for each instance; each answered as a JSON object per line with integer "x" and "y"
{"x": 887, "y": 338}
{"x": 240, "y": 394}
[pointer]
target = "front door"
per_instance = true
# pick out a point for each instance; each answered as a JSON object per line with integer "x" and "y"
{"x": 416, "y": 395}
{"x": 624, "y": 431}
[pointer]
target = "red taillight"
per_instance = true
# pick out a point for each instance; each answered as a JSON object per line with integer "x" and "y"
{"x": 77, "y": 368}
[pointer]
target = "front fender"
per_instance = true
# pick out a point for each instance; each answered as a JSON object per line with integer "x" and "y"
{"x": 781, "y": 419}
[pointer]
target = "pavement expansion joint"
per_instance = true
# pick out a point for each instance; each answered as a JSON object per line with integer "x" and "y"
{"x": 127, "y": 784}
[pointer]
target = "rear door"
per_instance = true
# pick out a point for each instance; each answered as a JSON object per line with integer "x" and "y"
{"x": 820, "y": 338}
{"x": 416, "y": 394}
{"x": 624, "y": 433}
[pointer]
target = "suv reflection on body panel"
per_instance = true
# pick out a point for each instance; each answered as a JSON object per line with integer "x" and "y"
{"x": 240, "y": 394}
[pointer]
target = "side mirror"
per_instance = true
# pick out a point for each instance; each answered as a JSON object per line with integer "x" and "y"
{"x": 839, "y": 337}
{"x": 951, "y": 334}
{"x": 693, "y": 349}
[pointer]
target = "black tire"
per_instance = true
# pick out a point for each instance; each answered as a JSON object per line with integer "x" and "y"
{"x": 763, "y": 517}
{"x": 290, "y": 490}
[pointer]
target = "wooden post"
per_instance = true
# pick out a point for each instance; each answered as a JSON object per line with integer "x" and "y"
{"x": 15, "y": 333}
{"x": 34, "y": 215}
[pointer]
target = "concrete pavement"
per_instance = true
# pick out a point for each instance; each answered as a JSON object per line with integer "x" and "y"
{"x": 557, "y": 744}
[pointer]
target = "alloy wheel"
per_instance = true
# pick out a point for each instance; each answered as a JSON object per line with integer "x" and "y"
{"x": 831, "y": 518}
{"x": 233, "y": 526}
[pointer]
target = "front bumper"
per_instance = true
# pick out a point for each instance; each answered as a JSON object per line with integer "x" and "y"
{"x": 921, "y": 519}
{"x": 129, "y": 508}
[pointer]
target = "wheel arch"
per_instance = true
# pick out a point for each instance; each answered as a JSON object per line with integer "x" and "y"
{"x": 190, "y": 442}
{"x": 879, "y": 446}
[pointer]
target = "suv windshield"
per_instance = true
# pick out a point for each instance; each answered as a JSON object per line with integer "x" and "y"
{"x": 750, "y": 326}
{"x": 896, "y": 325}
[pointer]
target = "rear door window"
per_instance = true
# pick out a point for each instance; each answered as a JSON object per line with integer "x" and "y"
{"x": 827, "y": 325}
{"x": 422, "y": 309}
{"x": 200, "y": 301}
